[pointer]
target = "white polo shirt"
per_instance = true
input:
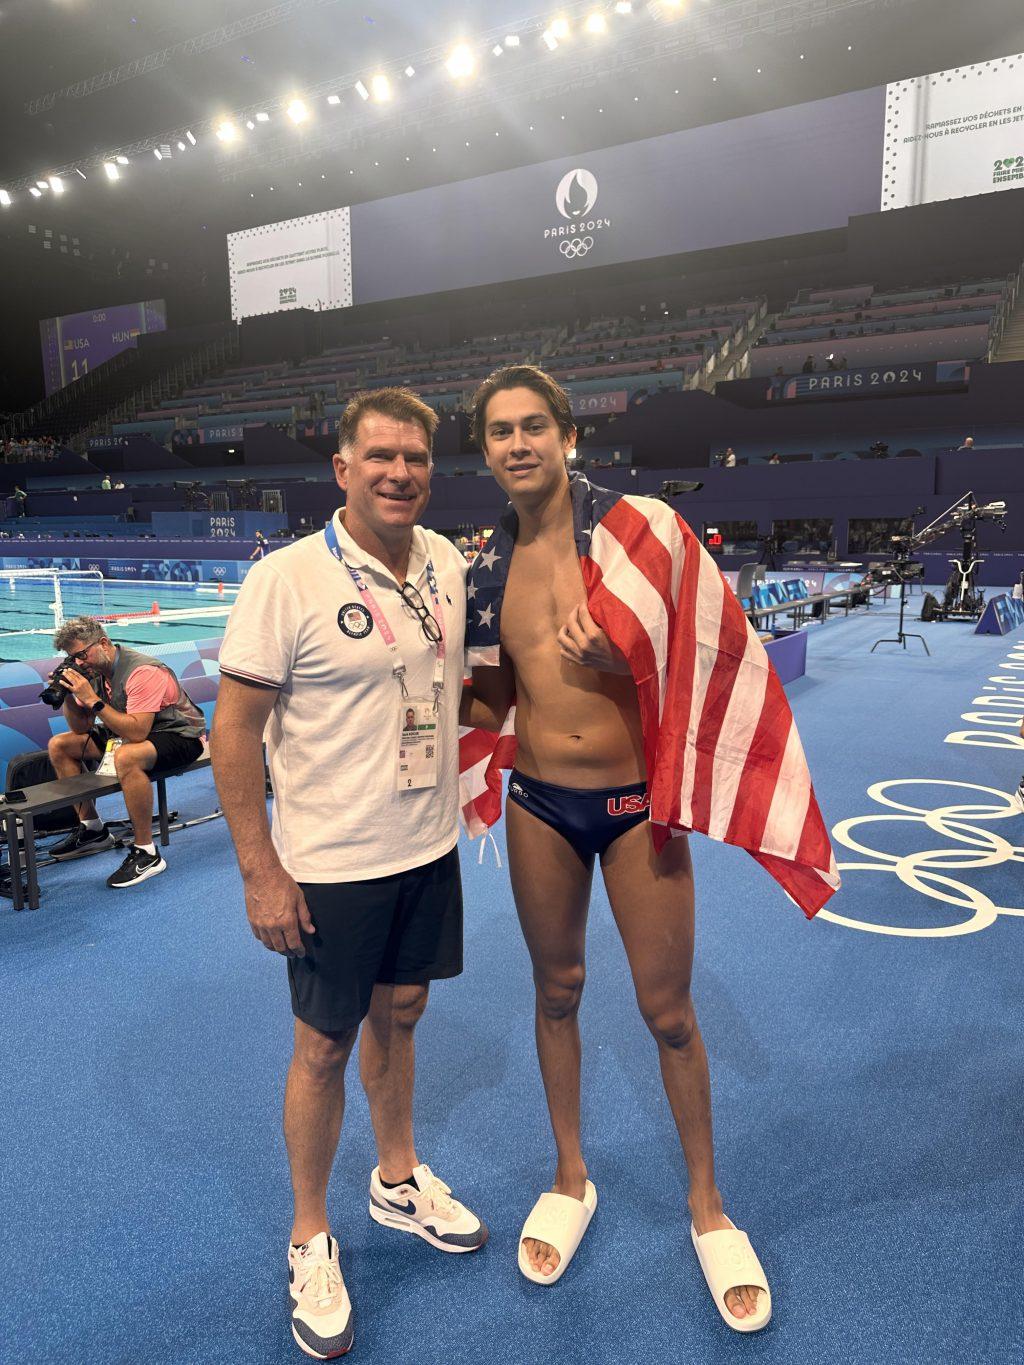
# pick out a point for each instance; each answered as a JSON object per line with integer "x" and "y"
{"x": 332, "y": 737}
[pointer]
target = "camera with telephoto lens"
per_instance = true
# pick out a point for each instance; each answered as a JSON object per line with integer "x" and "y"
{"x": 56, "y": 690}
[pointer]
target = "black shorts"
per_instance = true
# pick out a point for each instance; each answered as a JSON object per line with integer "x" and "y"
{"x": 172, "y": 750}
{"x": 400, "y": 930}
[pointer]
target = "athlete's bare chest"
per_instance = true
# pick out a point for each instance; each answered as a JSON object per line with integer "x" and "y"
{"x": 544, "y": 585}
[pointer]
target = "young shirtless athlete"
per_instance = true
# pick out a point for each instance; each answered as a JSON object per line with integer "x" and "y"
{"x": 580, "y": 758}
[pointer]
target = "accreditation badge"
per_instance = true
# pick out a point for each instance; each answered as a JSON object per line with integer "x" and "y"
{"x": 107, "y": 766}
{"x": 417, "y": 743}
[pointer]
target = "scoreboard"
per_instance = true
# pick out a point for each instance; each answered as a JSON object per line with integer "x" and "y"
{"x": 75, "y": 344}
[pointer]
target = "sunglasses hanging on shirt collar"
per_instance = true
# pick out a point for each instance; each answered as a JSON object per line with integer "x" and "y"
{"x": 413, "y": 598}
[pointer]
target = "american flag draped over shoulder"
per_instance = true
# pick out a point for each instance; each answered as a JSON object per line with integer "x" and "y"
{"x": 722, "y": 750}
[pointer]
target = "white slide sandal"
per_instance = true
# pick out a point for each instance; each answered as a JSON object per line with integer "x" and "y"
{"x": 729, "y": 1261}
{"x": 560, "y": 1221}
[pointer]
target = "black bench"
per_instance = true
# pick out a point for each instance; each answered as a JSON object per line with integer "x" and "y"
{"x": 67, "y": 791}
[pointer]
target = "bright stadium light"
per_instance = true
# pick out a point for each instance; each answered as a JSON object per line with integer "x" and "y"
{"x": 121, "y": 160}
{"x": 182, "y": 147}
{"x": 497, "y": 50}
{"x": 511, "y": 39}
{"x": 191, "y": 137}
{"x": 56, "y": 184}
{"x": 297, "y": 112}
{"x": 560, "y": 29}
{"x": 549, "y": 40}
{"x": 158, "y": 154}
{"x": 111, "y": 169}
{"x": 362, "y": 91}
{"x": 227, "y": 132}
{"x": 460, "y": 62}
{"x": 5, "y": 200}
{"x": 596, "y": 23}
{"x": 34, "y": 192}
{"x": 380, "y": 88}
{"x": 262, "y": 118}
{"x": 250, "y": 125}
{"x": 410, "y": 71}
{"x": 42, "y": 184}
{"x": 333, "y": 99}
{"x": 80, "y": 172}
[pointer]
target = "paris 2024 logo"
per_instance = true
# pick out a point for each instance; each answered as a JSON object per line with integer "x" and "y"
{"x": 575, "y": 198}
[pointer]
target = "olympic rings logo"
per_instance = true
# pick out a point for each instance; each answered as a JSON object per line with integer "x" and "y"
{"x": 575, "y": 246}
{"x": 926, "y": 870}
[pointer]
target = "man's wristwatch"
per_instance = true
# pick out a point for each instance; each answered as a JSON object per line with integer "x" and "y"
{"x": 97, "y": 707}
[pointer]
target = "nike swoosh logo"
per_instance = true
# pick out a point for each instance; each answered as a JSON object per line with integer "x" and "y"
{"x": 409, "y": 1208}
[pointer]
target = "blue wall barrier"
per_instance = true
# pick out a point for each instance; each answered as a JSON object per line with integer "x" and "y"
{"x": 1001, "y": 615}
{"x": 217, "y": 525}
{"x": 169, "y": 568}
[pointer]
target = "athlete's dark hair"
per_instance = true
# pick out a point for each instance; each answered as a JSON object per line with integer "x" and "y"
{"x": 522, "y": 377}
{"x": 401, "y": 404}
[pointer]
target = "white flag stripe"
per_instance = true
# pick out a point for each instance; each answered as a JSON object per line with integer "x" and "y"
{"x": 710, "y": 589}
{"x": 739, "y": 726}
{"x": 787, "y": 813}
{"x": 665, "y": 526}
{"x": 483, "y": 656}
{"x": 634, "y": 590}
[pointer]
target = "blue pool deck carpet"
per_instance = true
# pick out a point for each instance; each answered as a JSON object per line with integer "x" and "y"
{"x": 867, "y": 1073}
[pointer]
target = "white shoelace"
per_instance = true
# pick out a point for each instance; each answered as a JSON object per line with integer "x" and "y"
{"x": 322, "y": 1282}
{"x": 438, "y": 1195}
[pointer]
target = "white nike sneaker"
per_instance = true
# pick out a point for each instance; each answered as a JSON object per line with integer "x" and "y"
{"x": 427, "y": 1209}
{"x": 321, "y": 1311}
{"x": 1018, "y": 796}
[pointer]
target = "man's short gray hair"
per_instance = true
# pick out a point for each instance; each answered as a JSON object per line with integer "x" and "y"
{"x": 84, "y": 628}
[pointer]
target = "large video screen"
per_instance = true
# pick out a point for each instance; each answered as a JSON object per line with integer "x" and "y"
{"x": 78, "y": 342}
{"x": 301, "y": 263}
{"x": 786, "y": 172}
{"x": 954, "y": 133}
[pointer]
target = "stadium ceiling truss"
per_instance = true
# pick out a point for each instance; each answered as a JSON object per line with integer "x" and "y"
{"x": 725, "y": 26}
{"x": 189, "y": 47}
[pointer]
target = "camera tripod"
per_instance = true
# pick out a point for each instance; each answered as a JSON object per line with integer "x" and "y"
{"x": 899, "y": 570}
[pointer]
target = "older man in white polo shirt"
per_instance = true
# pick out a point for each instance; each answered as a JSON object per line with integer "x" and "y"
{"x": 346, "y": 648}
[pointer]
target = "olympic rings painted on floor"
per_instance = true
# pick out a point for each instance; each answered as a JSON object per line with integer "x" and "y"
{"x": 924, "y": 871}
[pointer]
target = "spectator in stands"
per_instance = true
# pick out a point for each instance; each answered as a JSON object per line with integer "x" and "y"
{"x": 20, "y": 499}
{"x": 729, "y": 458}
{"x": 105, "y": 483}
{"x": 967, "y": 443}
{"x": 133, "y": 707}
{"x": 808, "y": 365}
{"x": 773, "y": 458}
